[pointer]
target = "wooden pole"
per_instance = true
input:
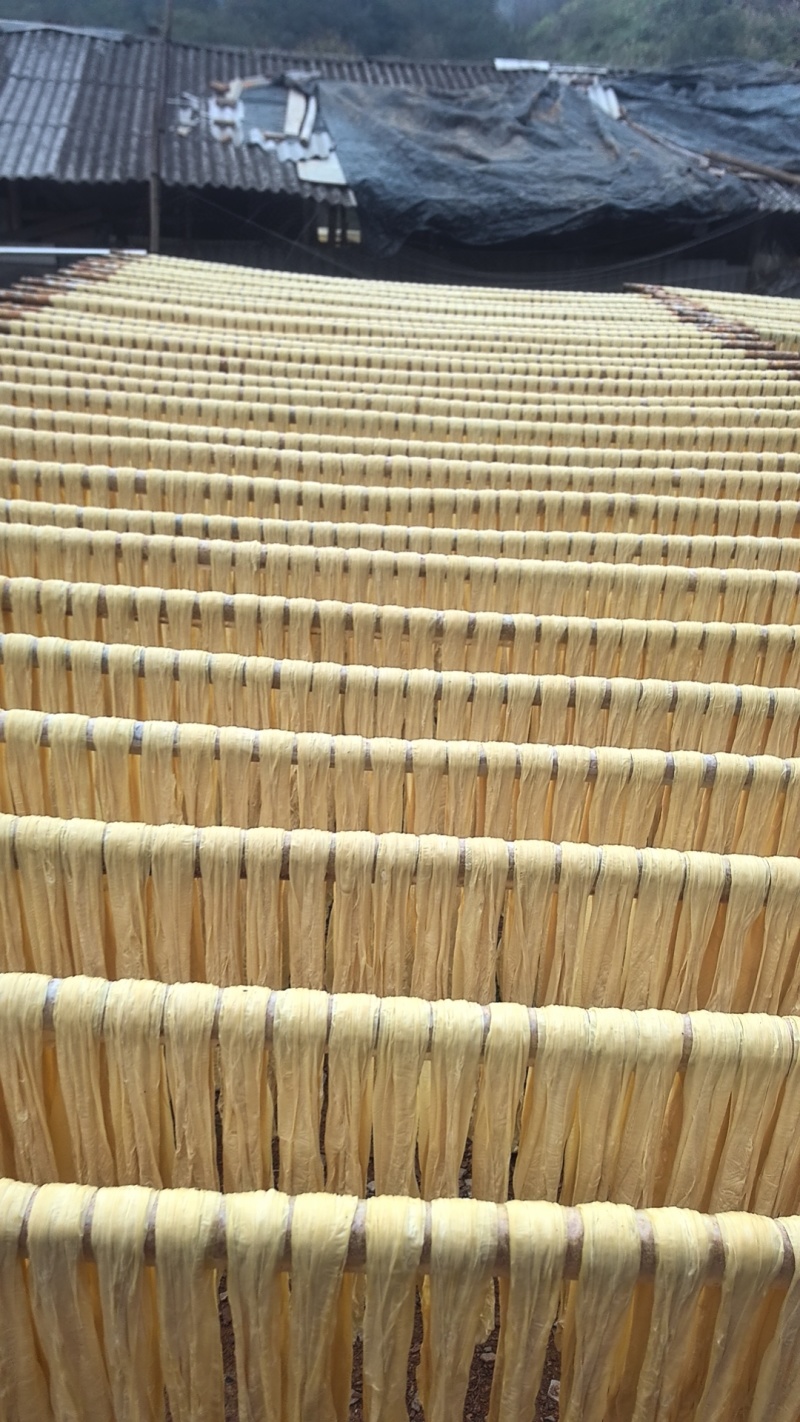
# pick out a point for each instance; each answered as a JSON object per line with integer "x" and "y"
{"x": 159, "y": 103}
{"x": 155, "y": 211}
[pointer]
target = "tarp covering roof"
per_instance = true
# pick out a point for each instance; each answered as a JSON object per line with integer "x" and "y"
{"x": 541, "y": 155}
{"x": 749, "y": 110}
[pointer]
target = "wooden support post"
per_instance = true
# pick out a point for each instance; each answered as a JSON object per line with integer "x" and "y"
{"x": 159, "y": 107}
{"x": 155, "y": 212}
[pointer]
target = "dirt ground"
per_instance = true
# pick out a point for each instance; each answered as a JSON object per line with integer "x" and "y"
{"x": 476, "y": 1407}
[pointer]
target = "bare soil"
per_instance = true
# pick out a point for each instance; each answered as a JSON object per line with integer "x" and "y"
{"x": 476, "y": 1406}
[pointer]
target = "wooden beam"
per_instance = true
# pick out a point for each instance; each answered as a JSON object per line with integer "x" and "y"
{"x": 155, "y": 212}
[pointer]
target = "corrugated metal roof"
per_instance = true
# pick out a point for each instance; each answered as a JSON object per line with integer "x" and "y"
{"x": 777, "y": 197}
{"x": 224, "y": 62}
{"x": 79, "y": 105}
{"x": 76, "y": 107}
{"x": 94, "y": 31}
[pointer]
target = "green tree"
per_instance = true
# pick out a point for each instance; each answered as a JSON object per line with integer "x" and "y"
{"x": 620, "y": 32}
{"x": 655, "y": 32}
{"x": 417, "y": 28}
{"x": 134, "y": 15}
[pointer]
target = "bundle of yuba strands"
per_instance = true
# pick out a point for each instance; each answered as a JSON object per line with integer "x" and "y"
{"x": 160, "y": 683}
{"x": 698, "y": 1110}
{"x": 397, "y": 914}
{"x": 397, "y": 759}
{"x": 432, "y": 580}
{"x": 134, "y": 1274}
{"x": 582, "y": 545}
{"x": 178, "y": 773}
{"x": 243, "y": 502}
{"x": 392, "y": 636}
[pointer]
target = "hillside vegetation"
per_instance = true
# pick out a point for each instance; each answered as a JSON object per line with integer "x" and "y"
{"x": 619, "y": 32}
{"x": 649, "y": 33}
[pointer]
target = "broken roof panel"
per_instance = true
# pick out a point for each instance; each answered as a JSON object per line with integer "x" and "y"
{"x": 200, "y": 155}
{"x": 280, "y": 118}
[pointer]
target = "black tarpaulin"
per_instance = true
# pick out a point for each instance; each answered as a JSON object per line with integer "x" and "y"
{"x": 748, "y": 110}
{"x": 536, "y": 155}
